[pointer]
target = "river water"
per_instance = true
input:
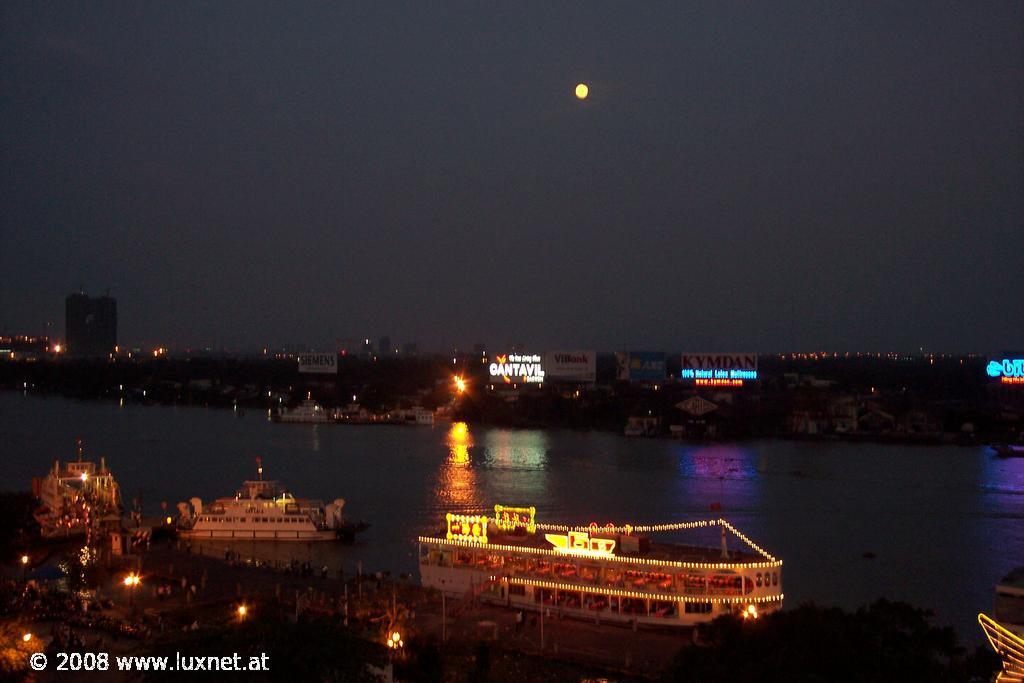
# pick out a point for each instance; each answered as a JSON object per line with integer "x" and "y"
{"x": 944, "y": 523}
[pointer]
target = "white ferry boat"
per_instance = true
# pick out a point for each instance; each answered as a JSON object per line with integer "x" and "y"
{"x": 75, "y": 495}
{"x": 611, "y": 574}
{"x": 261, "y": 510}
{"x": 307, "y": 411}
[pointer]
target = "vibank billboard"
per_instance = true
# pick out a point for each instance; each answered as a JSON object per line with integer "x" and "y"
{"x": 571, "y": 366}
{"x": 1008, "y": 370}
{"x": 719, "y": 369}
{"x": 516, "y": 368}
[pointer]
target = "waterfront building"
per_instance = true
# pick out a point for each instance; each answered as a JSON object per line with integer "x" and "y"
{"x": 611, "y": 574}
{"x": 90, "y": 325}
{"x": 25, "y": 347}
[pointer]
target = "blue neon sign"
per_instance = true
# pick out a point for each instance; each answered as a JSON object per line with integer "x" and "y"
{"x": 699, "y": 373}
{"x": 1007, "y": 367}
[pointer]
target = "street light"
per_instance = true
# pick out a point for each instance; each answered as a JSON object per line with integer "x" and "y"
{"x": 395, "y": 641}
{"x": 26, "y": 637}
{"x": 242, "y": 611}
{"x": 131, "y": 582}
{"x": 460, "y": 384}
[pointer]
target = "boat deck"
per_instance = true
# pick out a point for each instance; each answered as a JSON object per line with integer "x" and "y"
{"x": 670, "y": 552}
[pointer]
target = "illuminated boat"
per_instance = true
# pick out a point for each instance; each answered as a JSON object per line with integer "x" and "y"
{"x": 307, "y": 411}
{"x": 75, "y": 495}
{"x": 610, "y": 573}
{"x": 1009, "y": 450}
{"x": 1005, "y": 629}
{"x": 263, "y": 511}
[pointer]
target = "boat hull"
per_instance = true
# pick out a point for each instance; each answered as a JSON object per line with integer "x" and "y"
{"x": 289, "y": 535}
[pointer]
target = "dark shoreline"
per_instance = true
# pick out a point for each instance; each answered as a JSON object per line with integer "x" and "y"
{"x": 923, "y": 401}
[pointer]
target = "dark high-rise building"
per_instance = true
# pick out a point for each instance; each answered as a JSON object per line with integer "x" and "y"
{"x": 384, "y": 347}
{"x": 90, "y": 325}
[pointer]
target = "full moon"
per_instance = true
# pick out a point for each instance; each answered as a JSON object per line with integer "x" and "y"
{"x": 582, "y": 91}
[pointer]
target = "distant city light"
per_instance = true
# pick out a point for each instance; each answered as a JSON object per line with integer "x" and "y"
{"x": 582, "y": 90}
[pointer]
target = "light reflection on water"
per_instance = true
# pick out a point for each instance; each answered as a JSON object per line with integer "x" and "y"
{"x": 944, "y": 523}
{"x": 457, "y": 489}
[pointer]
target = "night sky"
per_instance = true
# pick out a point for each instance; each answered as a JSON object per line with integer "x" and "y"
{"x": 762, "y": 176}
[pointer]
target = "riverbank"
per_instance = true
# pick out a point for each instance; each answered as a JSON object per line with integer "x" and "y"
{"x": 920, "y": 400}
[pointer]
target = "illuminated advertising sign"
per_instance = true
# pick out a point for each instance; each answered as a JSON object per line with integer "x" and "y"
{"x": 571, "y": 366}
{"x": 1007, "y": 370}
{"x": 514, "y": 368}
{"x": 581, "y": 543}
{"x": 718, "y": 369}
{"x": 321, "y": 363}
{"x": 641, "y": 366}
{"x": 510, "y": 519}
{"x": 467, "y": 528}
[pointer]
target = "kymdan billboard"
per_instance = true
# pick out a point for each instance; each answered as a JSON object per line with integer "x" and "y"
{"x": 718, "y": 369}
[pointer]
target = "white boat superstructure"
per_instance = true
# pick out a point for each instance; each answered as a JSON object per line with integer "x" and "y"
{"x": 261, "y": 510}
{"x": 611, "y": 574}
{"x": 75, "y": 495}
{"x": 307, "y": 411}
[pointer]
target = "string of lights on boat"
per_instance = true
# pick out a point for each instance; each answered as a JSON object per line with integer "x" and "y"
{"x": 656, "y": 528}
{"x": 771, "y": 562}
{"x": 637, "y": 595}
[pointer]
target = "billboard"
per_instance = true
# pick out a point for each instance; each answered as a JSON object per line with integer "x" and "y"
{"x": 320, "y": 363}
{"x": 641, "y": 366}
{"x": 571, "y": 366}
{"x": 718, "y": 369}
{"x": 516, "y": 368}
{"x": 1008, "y": 369}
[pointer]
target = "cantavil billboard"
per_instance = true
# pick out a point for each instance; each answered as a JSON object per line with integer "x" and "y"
{"x": 321, "y": 363}
{"x": 718, "y": 369}
{"x": 641, "y": 366}
{"x": 516, "y": 368}
{"x": 571, "y": 366}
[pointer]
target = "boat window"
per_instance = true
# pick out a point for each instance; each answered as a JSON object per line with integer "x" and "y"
{"x": 614, "y": 577}
{"x": 589, "y": 573}
{"x": 516, "y": 589}
{"x": 664, "y": 609}
{"x": 595, "y": 602}
{"x": 565, "y": 570}
{"x": 725, "y": 585}
{"x": 759, "y": 579}
{"x": 692, "y": 583}
{"x": 697, "y": 608}
{"x": 775, "y": 579}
